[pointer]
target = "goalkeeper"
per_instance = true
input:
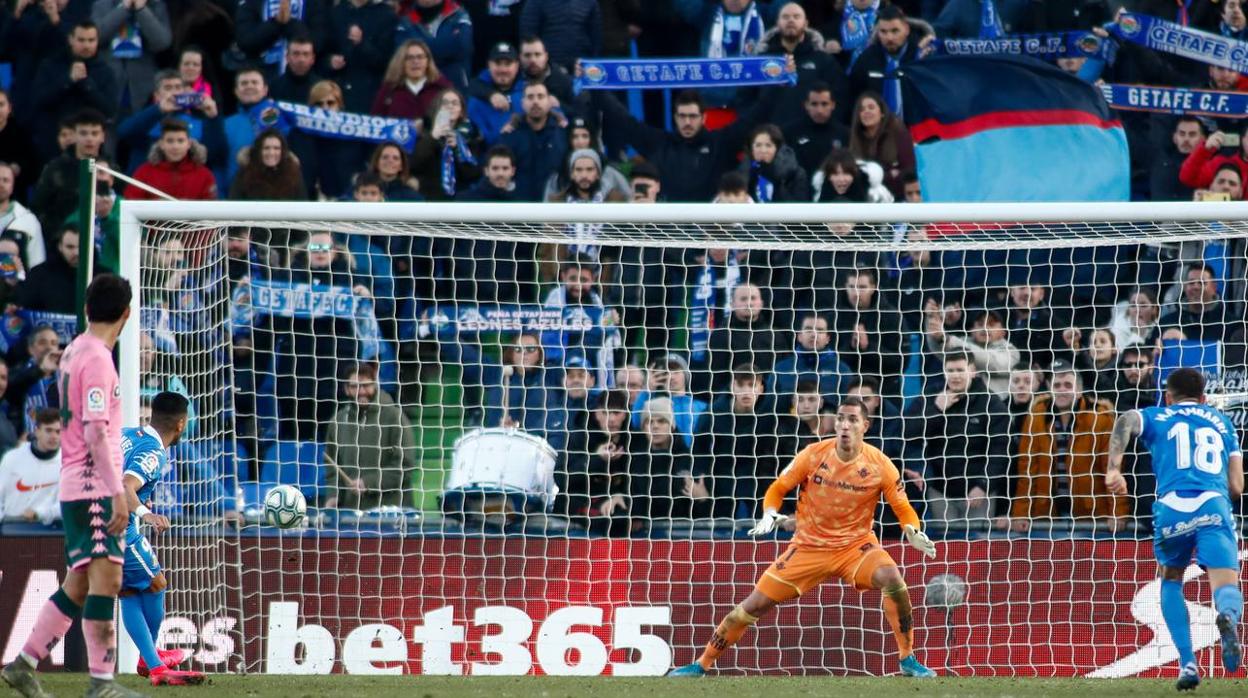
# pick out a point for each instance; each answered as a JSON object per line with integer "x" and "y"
{"x": 841, "y": 480}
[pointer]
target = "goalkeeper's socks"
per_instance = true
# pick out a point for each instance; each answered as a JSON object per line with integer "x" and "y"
{"x": 1174, "y": 611}
{"x": 138, "y": 629}
{"x": 1229, "y": 599}
{"x": 730, "y": 629}
{"x": 902, "y": 625}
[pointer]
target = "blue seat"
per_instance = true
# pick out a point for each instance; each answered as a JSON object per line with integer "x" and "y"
{"x": 297, "y": 463}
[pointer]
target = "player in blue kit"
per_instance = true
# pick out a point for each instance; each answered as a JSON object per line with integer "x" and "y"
{"x": 1200, "y": 470}
{"x": 143, "y": 582}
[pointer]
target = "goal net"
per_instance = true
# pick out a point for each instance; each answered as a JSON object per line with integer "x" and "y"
{"x": 532, "y": 437}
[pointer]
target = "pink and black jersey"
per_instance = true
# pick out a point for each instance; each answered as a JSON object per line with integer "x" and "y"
{"x": 90, "y": 391}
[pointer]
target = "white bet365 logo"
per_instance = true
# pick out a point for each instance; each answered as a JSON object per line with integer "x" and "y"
{"x": 1160, "y": 651}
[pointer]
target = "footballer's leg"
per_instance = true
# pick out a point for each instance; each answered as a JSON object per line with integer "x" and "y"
{"x": 791, "y": 574}
{"x": 1228, "y": 600}
{"x": 1174, "y": 613}
{"x": 57, "y": 614}
{"x": 886, "y": 577}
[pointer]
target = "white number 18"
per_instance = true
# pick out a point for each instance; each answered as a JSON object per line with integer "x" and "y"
{"x": 1208, "y": 454}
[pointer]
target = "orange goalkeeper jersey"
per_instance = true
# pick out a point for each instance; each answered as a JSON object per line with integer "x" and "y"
{"x": 837, "y": 504}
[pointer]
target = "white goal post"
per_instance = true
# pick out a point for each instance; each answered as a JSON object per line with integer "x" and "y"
{"x": 1010, "y": 594}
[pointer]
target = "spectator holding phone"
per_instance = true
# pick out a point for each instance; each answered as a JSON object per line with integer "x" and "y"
{"x": 1201, "y": 166}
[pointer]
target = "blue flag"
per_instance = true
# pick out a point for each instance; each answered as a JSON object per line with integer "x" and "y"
{"x": 1010, "y": 128}
{"x": 309, "y": 301}
{"x": 665, "y": 73}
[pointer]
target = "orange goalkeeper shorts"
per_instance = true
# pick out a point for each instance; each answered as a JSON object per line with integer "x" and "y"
{"x": 800, "y": 569}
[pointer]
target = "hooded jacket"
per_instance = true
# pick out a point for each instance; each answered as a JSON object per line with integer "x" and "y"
{"x": 188, "y": 179}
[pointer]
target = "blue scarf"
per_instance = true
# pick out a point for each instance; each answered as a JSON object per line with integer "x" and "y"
{"x": 989, "y": 21}
{"x": 678, "y": 73}
{"x": 1045, "y": 46}
{"x": 1160, "y": 35}
{"x": 892, "y": 84}
{"x": 735, "y": 35}
{"x": 346, "y": 126}
{"x": 765, "y": 190}
{"x": 310, "y": 301}
{"x": 707, "y": 305}
{"x": 1176, "y": 100}
{"x": 276, "y": 54}
{"x": 857, "y": 25}
{"x": 450, "y": 156}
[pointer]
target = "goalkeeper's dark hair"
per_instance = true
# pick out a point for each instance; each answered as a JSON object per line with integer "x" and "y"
{"x": 855, "y": 401}
{"x": 1185, "y": 384}
{"x": 108, "y": 296}
{"x": 167, "y": 408}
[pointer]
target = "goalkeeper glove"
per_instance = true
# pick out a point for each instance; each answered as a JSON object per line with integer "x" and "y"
{"x": 920, "y": 541}
{"x": 767, "y": 523}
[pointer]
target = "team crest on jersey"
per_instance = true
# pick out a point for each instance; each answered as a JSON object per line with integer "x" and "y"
{"x": 863, "y": 472}
{"x": 95, "y": 400}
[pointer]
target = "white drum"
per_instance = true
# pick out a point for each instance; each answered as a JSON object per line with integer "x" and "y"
{"x": 506, "y": 460}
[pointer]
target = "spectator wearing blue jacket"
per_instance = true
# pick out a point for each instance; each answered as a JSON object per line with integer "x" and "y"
{"x": 496, "y": 95}
{"x": 533, "y": 396}
{"x": 538, "y": 141}
{"x": 814, "y": 360}
{"x": 571, "y": 29}
{"x": 360, "y": 46}
{"x": 446, "y": 27}
{"x": 668, "y": 377}
{"x": 250, "y": 89}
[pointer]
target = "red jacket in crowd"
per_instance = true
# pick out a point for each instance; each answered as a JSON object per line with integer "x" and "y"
{"x": 1202, "y": 164}
{"x": 398, "y": 101}
{"x": 187, "y": 180}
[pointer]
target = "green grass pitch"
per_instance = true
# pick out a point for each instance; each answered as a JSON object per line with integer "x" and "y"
{"x": 724, "y": 687}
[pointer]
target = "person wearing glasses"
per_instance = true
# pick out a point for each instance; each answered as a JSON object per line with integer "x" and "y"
{"x": 327, "y": 164}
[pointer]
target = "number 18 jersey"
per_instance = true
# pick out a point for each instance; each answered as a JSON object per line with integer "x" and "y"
{"x": 1191, "y": 444}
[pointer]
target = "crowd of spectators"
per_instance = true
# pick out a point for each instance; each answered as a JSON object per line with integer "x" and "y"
{"x": 992, "y": 379}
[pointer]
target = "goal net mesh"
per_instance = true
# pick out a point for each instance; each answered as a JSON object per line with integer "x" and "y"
{"x": 537, "y": 447}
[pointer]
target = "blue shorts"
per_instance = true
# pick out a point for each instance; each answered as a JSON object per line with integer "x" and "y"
{"x": 141, "y": 566}
{"x": 1209, "y": 532}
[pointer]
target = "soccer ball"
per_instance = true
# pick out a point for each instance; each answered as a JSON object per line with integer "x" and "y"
{"x": 946, "y": 591}
{"x": 285, "y": 507}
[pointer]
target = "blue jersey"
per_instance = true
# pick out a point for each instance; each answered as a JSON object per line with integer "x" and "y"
{"x": 144, "y": 456}
{"x": 1191, "y": 444}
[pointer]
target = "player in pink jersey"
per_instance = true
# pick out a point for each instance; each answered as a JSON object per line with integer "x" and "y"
{"x": 93, "y": 504}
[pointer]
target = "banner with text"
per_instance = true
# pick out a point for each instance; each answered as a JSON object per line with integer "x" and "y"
{"x": 1176, "y": 39}
{"x": 1176, "y": 100}
{"x": 514, "y": 606}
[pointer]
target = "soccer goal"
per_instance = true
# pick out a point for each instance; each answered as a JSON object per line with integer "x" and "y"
{"x": 533, "y": 437}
